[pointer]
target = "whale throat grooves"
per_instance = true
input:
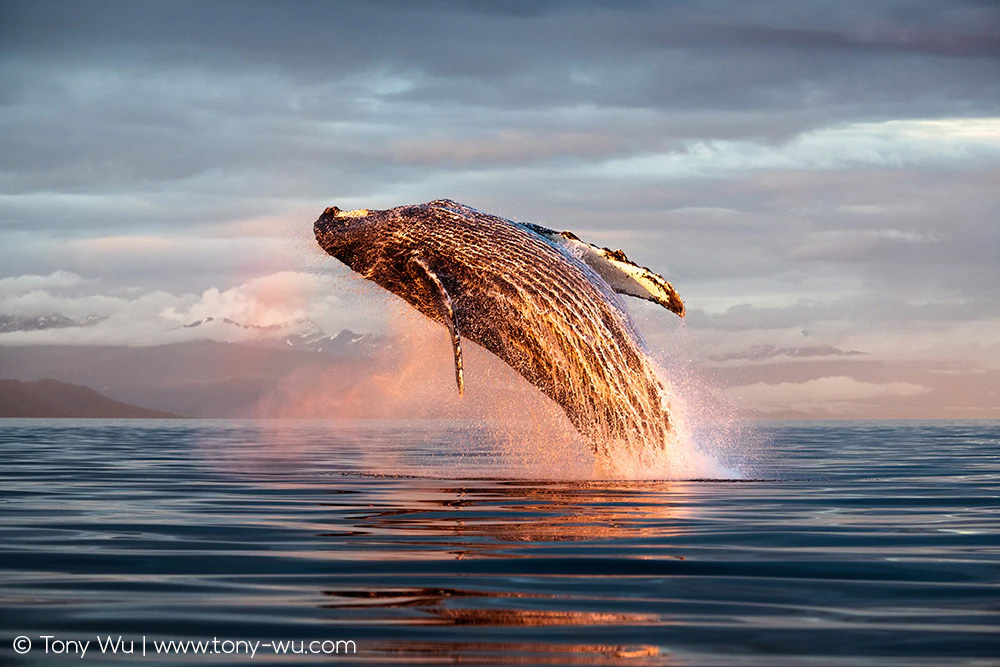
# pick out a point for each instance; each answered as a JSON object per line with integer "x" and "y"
{"x": 545, "y": 302}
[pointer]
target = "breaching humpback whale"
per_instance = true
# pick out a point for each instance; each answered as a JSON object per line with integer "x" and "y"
{"x": 542, "y": 301}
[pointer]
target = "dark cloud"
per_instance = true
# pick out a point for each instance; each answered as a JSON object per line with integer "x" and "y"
{"x": 871, "y": 312}
{"x": 747, "y": 55}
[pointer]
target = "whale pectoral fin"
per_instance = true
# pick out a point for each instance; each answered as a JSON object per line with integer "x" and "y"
{"x": 622, "y": 274}
{"x": 446, "y": 311}
{"x": 627, "y": 277}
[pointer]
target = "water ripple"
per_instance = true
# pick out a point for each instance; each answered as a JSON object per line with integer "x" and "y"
{"x": 858, "y": 544}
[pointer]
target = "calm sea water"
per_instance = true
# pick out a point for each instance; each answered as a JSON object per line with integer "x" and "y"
{"x": 848, "y": 544}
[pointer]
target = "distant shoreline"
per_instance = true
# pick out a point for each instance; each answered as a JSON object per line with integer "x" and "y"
{"x": 52, "y": 399}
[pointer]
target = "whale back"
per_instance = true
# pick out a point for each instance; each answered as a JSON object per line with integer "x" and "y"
{"x": 529, "y": 301}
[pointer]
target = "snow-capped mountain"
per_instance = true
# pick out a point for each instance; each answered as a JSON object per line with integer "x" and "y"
{"x": 11, "y": 323}
{"x": 344, "y": 344}
{"x": 303, "y": 335}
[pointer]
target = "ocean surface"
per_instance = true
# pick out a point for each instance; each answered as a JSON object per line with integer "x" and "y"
{"x": 843, "y": 543}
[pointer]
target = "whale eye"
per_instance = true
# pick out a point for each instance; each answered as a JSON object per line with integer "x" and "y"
{"x": 331, "y": 212}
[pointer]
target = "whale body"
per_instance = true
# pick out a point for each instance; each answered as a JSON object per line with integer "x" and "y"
{"x": 544, "y": 302}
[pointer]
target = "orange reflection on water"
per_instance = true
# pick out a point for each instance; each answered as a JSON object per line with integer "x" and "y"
{"x": 410, "y": 597}
{"x": 540, "y": 513}
{"x": 434, "y": 601}
{"x": 523, "y": 653}
{"x": 403, "y": 522}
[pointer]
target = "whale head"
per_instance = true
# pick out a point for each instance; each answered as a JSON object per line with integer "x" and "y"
{"x": 356, "y": 238}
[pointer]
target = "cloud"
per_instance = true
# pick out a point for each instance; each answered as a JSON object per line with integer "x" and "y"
{"x": 890, "y": 144}
{"x": 188, "y": 262}
{"x": 135, "y": 317}
{"x": 57, "y": 280}
{"x": 505, "y": 147}
{"x": 859, "y": 244}
{"x": 266, "y": 301}
{"x": 834, "y": 396}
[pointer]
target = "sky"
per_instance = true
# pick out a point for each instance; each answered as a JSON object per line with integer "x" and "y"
{"x": 819, "y": 180}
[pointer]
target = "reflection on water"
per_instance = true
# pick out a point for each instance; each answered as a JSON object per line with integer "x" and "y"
{"x": 497, "y": 653}
{"x": 486, "y": 653}
{"x": 536, "y": 515}
{"x": 860, "y": 544}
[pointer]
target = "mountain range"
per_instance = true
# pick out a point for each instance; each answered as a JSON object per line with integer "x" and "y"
{"x": 11, "y": 323}
{"x": 200, "y": 378}
{"x": 295, "y": 369}
{"x": 53, "y": 399}
{"x": 194, "y": 378}
{"x": 303, "y": 335}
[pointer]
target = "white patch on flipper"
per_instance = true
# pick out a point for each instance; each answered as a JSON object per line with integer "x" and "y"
{"x": 622, "y": 274}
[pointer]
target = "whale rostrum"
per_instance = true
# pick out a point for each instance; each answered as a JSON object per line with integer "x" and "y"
{"x": 542, "y": 301}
